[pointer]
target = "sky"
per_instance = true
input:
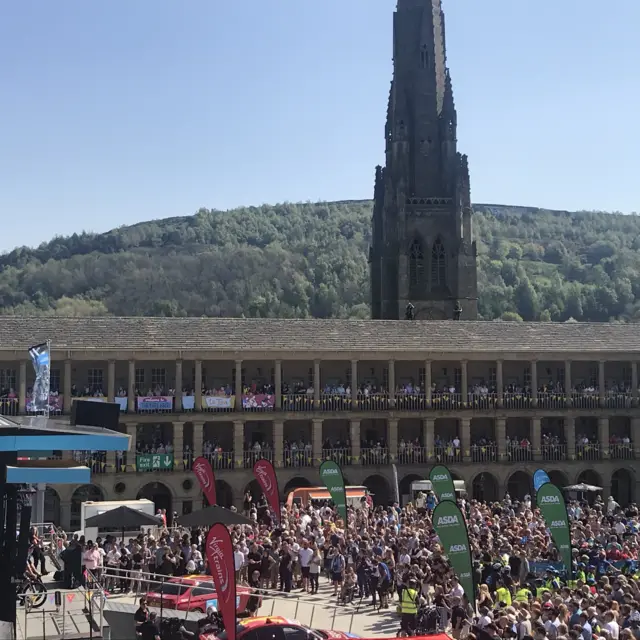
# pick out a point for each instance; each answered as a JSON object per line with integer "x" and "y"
{"x": 117, "y": 111}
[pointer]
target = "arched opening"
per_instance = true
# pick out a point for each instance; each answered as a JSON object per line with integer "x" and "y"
{"x": 254, "y": 489}
{"x": 380, "y": 489}
{"x": 416, "y": 263}
{"x": 295, "y": 483}
{"x": 160, "y": 495}
{"x": 85, "y": 493}
{"x": 558, "y": 478}
{"x": 623, "y": 484}
{"x": 52, "y": 506}
{"x": 485, "y": 488}
{"x": 438, "y": 265}
{"x": 405, "y": 487}
{"x": 224, "y": 494}
{"x": 589, "y": 476}
{"x": 519, "y": 485}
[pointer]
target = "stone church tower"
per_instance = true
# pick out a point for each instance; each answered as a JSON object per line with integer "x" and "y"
{"x": 423, "y": 250}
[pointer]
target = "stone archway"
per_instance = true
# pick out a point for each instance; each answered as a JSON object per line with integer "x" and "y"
{"x": 559, "y": 478}
{"x": 623, "y": 485}
{"x": 404, "y": 487}
{"x": 224, "y": 494}
{"x": 519, "y": 485}
{"x": 160, "y": 495}
{"x": 378, "y": 485}
{"x": 52, "y": 506}
{"x": 589, "y": 476}
{"x": 485, "y": 488}
{"x": 254, "y": 489}
{"x": 84, "y": 493}
{"x": 296, "y": 483}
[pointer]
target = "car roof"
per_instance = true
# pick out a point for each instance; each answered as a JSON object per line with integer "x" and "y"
{"x": 250, "y": 623}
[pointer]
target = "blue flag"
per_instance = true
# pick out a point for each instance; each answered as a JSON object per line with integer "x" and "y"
{"x": 540, "y": 477}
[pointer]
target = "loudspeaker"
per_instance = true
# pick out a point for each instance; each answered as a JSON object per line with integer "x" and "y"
{"x": 95, "y": 414}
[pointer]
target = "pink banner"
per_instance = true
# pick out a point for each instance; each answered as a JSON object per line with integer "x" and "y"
{"x": 204, "y": 473}
{"x": 222, "y": 568}
{"x": 258, "y": 401}
{"x": 266, "y": 476}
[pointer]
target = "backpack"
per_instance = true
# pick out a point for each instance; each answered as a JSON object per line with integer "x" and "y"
{"x": 337, "y": 564}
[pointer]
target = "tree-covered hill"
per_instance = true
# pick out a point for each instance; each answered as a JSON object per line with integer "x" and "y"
{"x": 299, "y": 260}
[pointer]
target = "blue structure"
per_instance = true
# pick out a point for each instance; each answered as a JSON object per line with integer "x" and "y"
{"x": 26, "y": 438}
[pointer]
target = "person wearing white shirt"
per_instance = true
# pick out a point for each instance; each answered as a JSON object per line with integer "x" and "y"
{"x": 611, "y": 625}
{"x": 305, "y": 553}
{"x": 238, "y": 562}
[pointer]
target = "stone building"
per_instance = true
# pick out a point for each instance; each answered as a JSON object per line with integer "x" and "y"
{"x": 422, "y": 249}
{"x": 517, "y": 396}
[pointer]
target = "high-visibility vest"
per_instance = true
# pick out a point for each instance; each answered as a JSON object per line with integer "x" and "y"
{"x": 409, "y": 601}
{"x": 523, "y": 595}
{"x": 503, "y": 595}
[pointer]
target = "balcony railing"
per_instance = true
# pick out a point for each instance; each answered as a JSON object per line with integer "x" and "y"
{"x": 412, "y": 455}
{"x": 298, "y": 402}
{"x": 517, "y": 401}
{"x": 585, "y": 400}
{"x": 621, "y": 451}
{"x": 618, "y": 400}
{"x": 373, "y": 402}
{"x": 554, "y": 452}
{"x": 590, "y": 452}
{"x": 482, "y": 402}
{"x": 519, "y": 453}
{"x": 220, "y": 460}
{"x": 335, "y": 402}
{"x": 484, "y": 453}
{"x": 411, "y": 402}
{"x": 374, "y": 456}
{"x": 252, "y": 456}
{"x": 447, "y": 453}
{"x": 9, "y": 406}
{"x": 341, "y": 456}
{"x": 298, "y": 458}
{"x": 552, "y": 400}
{"x": 446, "y": 400}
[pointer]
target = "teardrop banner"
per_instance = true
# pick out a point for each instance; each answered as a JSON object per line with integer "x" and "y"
{"x": 265, "y": 474}
{"x": 554, "y": 511}
{"x": 206, "y": 479}
{"x": 451, "y": 528}
{"x": 331, "y": 475}
{"x": 540, "y": 477}
{"x": 222, "y": 567}
{"x": 442, "y": 483}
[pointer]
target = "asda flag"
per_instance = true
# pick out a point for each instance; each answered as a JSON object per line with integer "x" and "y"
{"x": 331, "y": 475}
{"x": 442, "y": 483}
{"x": 452, "y": 531}
{"x": 554, "y": 511}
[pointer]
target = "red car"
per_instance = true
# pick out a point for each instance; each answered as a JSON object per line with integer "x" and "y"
{"x": 278, "y": 628}
{"x": 193, "y": 593}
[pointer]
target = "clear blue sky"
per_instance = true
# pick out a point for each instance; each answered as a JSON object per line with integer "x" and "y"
{"x": 117, "y": 111}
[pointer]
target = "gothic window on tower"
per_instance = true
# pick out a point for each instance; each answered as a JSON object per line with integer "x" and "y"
{"x": 424, "y": 56}
{"x": 438, "y": 265}
{"x": 416, "y": 264}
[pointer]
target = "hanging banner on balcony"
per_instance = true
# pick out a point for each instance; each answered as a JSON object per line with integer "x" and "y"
{"x": 154, "y": 461}
{"x": 554, "y": 511}
{"x": 219, "y": 402}
{"x": 41, "y": 395}
{"x": 154, "y": 403}
{"x": 188, "y": 403}
{"x": 331, "y": 476}
{"x": 442, "y": 483}
{"x": 540, "y": 477}
{"x": 56, "y": 404}
{"x": 258, "y": 401}
{"x": 222, "y": 569}
{"x": 206, "y": 478}
{"x": 451, "y": 528}
{"x": 266, "y": 476}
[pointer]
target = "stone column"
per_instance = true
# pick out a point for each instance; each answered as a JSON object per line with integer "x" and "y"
{"x": 603, "y": 437}
{"x": 392, "y": 383}
{"x": 567, "y": 384}
{"x": 536, "y": 438}
{"x": 465, "y": 438}
{"x": 111, "y": 380}
{"x": 278, "y": 444}
{"x": 177, "y": 401}
{"x": 317, "y": 388}
{"x": 634, "y": 384}
{"x": 132, "y": 432}
{"x": 570, "y": 435}
{"x": 635, "y": 436}
{"x": 278, "y": 384}
{"x": 131, "y": 390}
{"x": 67, "y": 382}
{"x": 238, "y": 386}
{"x": 428, "y": 436}
{"x": 22, "y": 388}
{"x": 534, "y": 383}
{"x": 65, "y": 514}
{"x": 501, "y": 438}
{"x": 392, "y": 439}
{"x": 354, "y": 384}
{"x": 238, "y": 443}
{"x": 427, "y": 382}
{"x": 197, "y": 383}
{"x": 354, "y": 436}
{"x": 464, "y": 384}
{"x": 178, "y": 445}
{"x": 601, "y": 384}
{"x": 198, "y": 438}
{"x": 317, "y": 440}
{"x": 111, "y": 462}
{"x": 499, "y": 383}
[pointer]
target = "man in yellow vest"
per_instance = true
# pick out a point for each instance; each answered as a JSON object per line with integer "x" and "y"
{"x": 409, "y": 607}
{"x": 523, "y": 594}
{"x": 503, "y": 594}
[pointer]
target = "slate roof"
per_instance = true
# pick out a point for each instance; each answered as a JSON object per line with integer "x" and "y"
{"x": 276, "y": 335}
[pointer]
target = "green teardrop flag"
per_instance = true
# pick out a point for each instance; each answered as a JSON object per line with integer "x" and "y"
{"x": 442, "y": 483}
{"x": 554, "y": 511}
{"x": 331, "y": 475}
{"x": 451, "y": 528}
